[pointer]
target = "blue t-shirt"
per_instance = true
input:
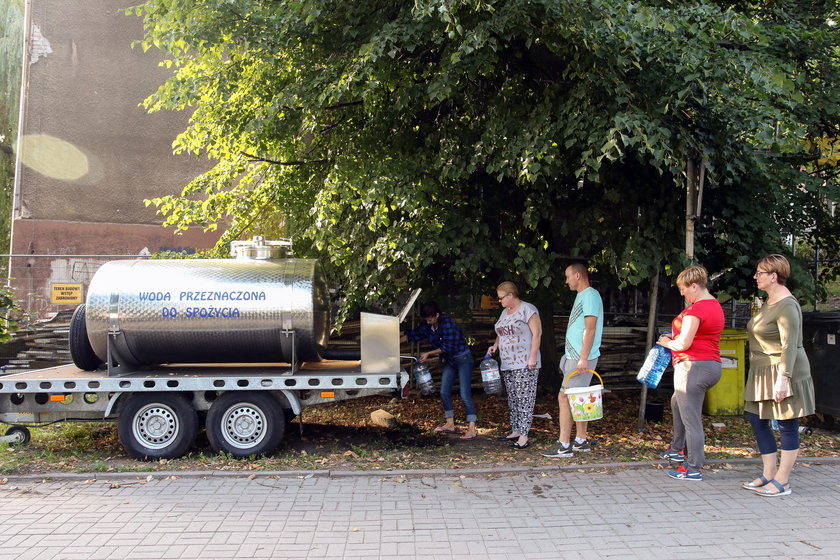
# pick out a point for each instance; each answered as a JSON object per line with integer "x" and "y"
{"x": 587, "y": 303}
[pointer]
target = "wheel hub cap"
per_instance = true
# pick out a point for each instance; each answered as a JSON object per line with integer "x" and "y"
{"x": 155, "y": 426}
{"x": 244, "y": 426}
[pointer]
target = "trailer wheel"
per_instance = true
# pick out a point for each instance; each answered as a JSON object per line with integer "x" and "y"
{"x": 245, "y": 423}
{"x": 80, "y": 349}
{"x": 157, "y": 426}
{"x": 22, "y": 433}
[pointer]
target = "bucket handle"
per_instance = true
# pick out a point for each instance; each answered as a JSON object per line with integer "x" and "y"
{"x": 566, "y": 381}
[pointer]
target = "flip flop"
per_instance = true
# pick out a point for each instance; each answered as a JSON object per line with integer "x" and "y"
{"x": 467, "y": 437}
{"x": 445, "y": 430}
{"x": 750, "y": 486}
{"x": 783, "y": 489}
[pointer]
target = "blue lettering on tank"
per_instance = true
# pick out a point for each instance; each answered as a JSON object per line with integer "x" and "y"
{"x": 154, "y": 296}
{"x": 212, "y": 312}
{"x": 232, "y": 295}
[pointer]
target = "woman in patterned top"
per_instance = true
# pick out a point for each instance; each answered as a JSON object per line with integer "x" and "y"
{"x": 518, "y": 333}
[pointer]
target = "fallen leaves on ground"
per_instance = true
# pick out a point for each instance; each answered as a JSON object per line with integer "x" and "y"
{"x": 340, "y": 436}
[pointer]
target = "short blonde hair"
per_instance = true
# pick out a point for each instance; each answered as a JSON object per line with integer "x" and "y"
{"x": 580, "y": 268}
{"x": 778, "y": 264}
{"x": 693, "y": 275}
{"x": 508, "y": 287}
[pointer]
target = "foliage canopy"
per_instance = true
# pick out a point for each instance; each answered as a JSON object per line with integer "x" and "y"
{"x": 471, "y": 141}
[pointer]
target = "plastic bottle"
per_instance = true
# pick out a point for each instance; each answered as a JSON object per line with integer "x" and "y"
{"x": 490, "y": 377}
{"x": 655, "y": 365}
{"x": 424, "y": 378}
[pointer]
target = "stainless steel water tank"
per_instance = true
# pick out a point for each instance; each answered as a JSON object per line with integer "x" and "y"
{"x": 210, "y": 311}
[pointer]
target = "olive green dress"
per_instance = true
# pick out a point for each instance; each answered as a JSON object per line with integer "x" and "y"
{"x": 776, "y": 349}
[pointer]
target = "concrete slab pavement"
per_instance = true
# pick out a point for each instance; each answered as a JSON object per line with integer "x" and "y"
{"x": 618, "y": 511}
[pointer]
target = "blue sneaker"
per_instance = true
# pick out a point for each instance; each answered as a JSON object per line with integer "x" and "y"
{"x": 673, "y": 456}
{"x": 684, "y": 473}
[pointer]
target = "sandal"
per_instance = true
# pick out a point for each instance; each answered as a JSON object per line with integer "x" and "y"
{"x": 517, "y": 446}
{"x": 507, "y": 438}
{"x": 783, "y": 489}
{"x": 752, "y": 486}
{"x": 445, "y": 430}
{"x": 467, "y": 437}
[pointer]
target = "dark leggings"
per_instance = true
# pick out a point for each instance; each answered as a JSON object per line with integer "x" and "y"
{"x": 789, "y": 430}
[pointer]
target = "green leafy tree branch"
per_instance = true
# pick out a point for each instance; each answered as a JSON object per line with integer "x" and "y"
{"x": 453, "y": 141}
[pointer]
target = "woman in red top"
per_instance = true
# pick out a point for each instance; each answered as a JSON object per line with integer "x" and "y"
{"x": 695, "y": 344}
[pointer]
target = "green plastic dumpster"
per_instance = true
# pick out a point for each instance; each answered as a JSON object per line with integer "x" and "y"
{"x": 727, "y": 397}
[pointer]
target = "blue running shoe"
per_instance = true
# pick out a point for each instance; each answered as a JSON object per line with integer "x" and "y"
{"x": 673, "y": 456}
{"x": 684, "y": 473}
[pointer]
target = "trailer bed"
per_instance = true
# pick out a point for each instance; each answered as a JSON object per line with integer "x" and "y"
{"x": 67, "y": 393}
{"x": 333, "y": 374}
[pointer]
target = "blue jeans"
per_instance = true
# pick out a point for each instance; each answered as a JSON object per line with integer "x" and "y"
{"x": 464, "y": 365}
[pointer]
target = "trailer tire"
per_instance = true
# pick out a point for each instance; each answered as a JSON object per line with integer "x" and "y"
{"x": 245, "y": 423}
{"x": 80, "y": 349}
{"x": 155, "y": 426}
{"x": 22, "y": 433}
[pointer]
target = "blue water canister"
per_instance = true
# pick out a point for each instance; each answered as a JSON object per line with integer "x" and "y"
{"x": 655, "y": 365}
{"x": 424, "y": 378}
{"x": 490, "y": 377}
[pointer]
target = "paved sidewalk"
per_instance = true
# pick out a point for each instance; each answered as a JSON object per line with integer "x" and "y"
{"x": 601, "y": 512}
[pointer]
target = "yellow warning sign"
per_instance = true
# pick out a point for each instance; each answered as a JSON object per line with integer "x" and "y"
{"x": 66, "y": 293}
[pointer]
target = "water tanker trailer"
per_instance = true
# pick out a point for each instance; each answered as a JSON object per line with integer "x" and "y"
{"x": 240, "y": 344}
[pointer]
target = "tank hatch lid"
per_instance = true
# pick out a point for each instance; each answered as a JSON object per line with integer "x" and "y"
{"x": 260, "y": 248}
{"x": 409, "y": 304}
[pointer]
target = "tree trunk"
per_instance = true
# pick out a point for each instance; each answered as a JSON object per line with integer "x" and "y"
{"x": 654, "y": 293}
{"x": 549, "y": 376}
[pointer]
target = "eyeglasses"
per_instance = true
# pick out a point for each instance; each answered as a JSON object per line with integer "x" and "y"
{"x": 757, "y": 272}
{"x": 504, "y": 296}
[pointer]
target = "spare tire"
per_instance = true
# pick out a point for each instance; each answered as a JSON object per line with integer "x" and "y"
{"x": 80, "y": 349}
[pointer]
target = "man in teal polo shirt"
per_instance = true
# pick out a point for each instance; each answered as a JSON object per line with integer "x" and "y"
{"x": 583, "y": 343}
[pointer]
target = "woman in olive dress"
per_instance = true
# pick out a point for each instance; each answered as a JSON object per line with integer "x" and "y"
{"x": 779, "y": 385}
